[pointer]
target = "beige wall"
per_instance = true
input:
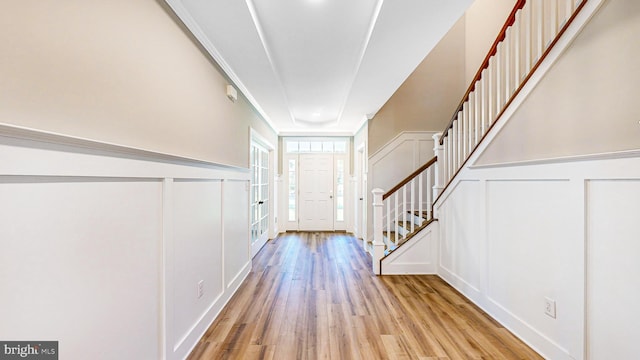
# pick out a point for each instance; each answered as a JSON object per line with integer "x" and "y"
{"x": 427, "y": 99}
{"x": 588, "y": 102}
{"x": 122, "y": 72}
{"x": 483, "y": 21}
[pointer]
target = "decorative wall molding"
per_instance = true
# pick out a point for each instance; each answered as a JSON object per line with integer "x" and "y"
{"x": 186, "y": 208}
{"x": 529, "y": 241}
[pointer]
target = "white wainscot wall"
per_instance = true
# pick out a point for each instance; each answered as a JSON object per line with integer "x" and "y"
{"x": 395, "y": 161}
{"x": 103, "y": 247}
{"x": 400, "y": 157}
{"x": 512, "y": 236}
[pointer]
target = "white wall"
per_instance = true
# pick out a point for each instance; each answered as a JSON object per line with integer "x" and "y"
{"x": 395, "y": 161}
{"x": 103, "y": 246}
{"x": 612, "y": 268}
{"x": 512, "y": 236}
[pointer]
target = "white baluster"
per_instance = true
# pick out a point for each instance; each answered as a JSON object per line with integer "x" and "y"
{"x": 538, "y": 25}
{"x": 483, "y": 103}
{"x": 412, "y": 208}
{"x": 491, "y": 91}
{"x": 395, "y": 215}
{"x": 460, "y": 144}
{"x": 438, "y": 168}
{"x": 463, "y": 126}
{"x": 445, "y": 160}
{"x": 404, "y": 212}
{"x": 388, "y": 217}
{"x": 429, "y": 177}
{"x": 454, "y": 147}
{"x": 477, "y": 114}
{"x": 517, "y": 47}
{"x": 506, "y": 48}
{"x": 569, "y": 8}
{"x": 451, "y": 154}
{"x": 471, "y": 123}
{"x": 499, "y": 75}
{"x": 553, "y": 21}
{"x": 527, "y": 18}
{"x": 420, "y": 197}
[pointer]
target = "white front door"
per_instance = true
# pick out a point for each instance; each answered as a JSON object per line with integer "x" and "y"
{"x": 316, "y": 192}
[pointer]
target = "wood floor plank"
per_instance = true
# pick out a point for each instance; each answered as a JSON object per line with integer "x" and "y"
{"x": 313, "y": 296}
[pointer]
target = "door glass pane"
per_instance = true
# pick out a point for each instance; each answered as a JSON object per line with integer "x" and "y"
{"x": 340, "y": 190}
{"x": 292, "y": 146}
{"x": 316, "y": 146}
{"x": 292, "y": 191}
{"x": 304, "y": 146}
{"x": 259, "y": 191}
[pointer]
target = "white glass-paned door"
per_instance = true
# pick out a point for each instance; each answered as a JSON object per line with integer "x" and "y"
{"x": 259, "y": 197}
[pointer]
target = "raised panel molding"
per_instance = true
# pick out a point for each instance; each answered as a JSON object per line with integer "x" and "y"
{"x": 161, "y": 222}
{"x": 612, "y": 268}
{"x": 538, "y": 234}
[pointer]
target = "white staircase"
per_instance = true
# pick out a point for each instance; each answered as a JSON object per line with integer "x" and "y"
{"x": 404, "y": 214}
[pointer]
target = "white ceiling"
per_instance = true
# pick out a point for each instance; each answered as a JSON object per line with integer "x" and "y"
{"x": 318, "y": 66}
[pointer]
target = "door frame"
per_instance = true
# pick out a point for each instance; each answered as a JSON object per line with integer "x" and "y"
{"x": 283, "y": 201}
{"x": 360, "y": 220}
{"x": 257, "y": 139}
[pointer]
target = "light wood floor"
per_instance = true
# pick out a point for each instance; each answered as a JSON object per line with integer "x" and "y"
{"x": 313, "y": 296}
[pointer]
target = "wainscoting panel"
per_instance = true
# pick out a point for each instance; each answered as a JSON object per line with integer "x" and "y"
{"x": 534, "y": 251}
{"x": 79, "y": 264}
{"x": 513, "y": 236}
{"x": 460, "y": 258}
{"x": 613, "y": 245}
{"x": 197, "y": 247}
{"x": 236, "y": 231}
{"x": 102, "y": 247}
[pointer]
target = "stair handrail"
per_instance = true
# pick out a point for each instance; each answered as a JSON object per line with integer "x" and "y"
{"x": 485, "y": 63}
{"x": 478, "y": 112}
{"x": 404, "y": 210}
{"x": 411, "y": 176}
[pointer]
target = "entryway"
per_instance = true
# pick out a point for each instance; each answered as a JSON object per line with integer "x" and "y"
{"x": 316, "y": 191}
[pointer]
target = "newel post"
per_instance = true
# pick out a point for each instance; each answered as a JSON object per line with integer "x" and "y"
{"x": 378, "y": 242}
{"x": 438, "y": 175}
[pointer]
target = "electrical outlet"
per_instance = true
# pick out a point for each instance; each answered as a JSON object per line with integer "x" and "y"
{"x": 550, "y": 307}
{"x": 200, "y": 288}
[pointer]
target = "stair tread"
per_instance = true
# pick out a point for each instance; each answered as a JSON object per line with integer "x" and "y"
{"x": 425, "y": 214}
{"x": 407, "y": 224}
{"x": 388, "y": 251}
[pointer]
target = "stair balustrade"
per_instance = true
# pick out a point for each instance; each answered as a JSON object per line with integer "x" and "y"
{"x": 403, "y": 211}
{"x": 530, "y": 32}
